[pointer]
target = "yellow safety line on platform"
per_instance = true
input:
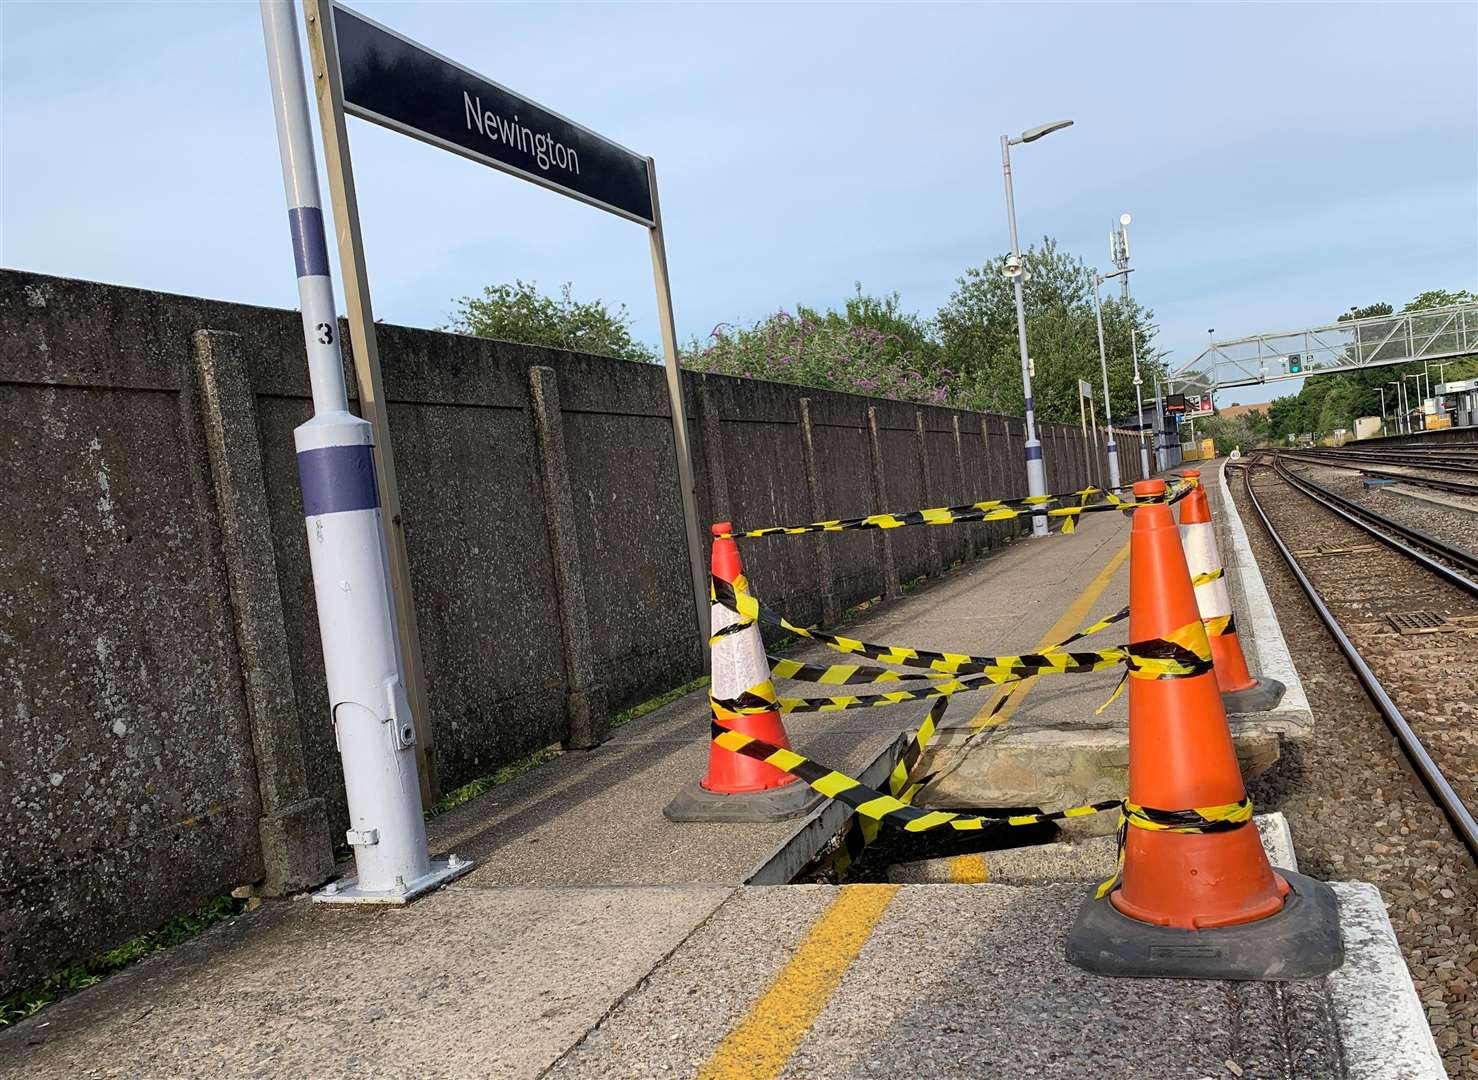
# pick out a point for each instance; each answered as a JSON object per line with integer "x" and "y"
{"x": 1074, "y": 617}
{"x": 760, "y": 1045}
{"x": 968, "y": 870}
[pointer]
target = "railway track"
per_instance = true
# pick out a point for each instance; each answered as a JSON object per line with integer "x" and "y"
{"x": 1403, "y": 608}
{"x": 1371, "y": 464}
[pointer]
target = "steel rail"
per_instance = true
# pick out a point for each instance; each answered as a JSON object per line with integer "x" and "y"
{"x": 1456, "y": 487}
{"x": 1333, "y": 456}
{"x": 1461, "y": 818}
{"x": 1368, "y": 519}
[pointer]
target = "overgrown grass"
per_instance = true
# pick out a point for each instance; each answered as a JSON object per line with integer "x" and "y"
{"x": 34, "y": 998}
{"x": 473, "y": 788}
{"x": 653, "y": 704}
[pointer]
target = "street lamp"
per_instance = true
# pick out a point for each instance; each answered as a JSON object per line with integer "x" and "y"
{"x": 1400, "y": 406}
{"x": 1036, "y": 476}
{"x": 1119, "y": 256}
{"x": 1108, "y": 411}
{"x": 1382, "y": 390}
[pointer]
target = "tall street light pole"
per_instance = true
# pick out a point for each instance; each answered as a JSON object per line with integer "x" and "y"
{"x": 1119, "y": 256}
{"x": 1098, "y": 279}
{"x": 1382, "y": 390}
{"x": 1036, "y": 476}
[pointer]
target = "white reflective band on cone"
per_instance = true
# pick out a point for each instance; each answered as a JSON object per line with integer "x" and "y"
{"x": 739, "y": 658}
{"x": 1201, "y": 556}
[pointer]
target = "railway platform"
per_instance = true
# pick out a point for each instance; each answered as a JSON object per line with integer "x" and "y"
{"x": 596, "y": 938}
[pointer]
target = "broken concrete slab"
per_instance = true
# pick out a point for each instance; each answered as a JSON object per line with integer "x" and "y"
{"x": 1091, "y": 859}
{"x": 1055, "y": 767}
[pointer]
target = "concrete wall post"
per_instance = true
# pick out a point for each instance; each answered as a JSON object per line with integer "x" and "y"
{"x": 892, "y": 589}
{"x": 936, "y": 561}
{"x": 585, "y": 702}
{"x": 825, "y": 569}
{"x": 965, "y": 488}
{"x": 713, "y": 457}
{"x": 297, "y": 853}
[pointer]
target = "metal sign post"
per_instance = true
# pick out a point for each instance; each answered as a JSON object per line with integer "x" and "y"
{"x": 1088, "y": 416}
{"x": 367, "y": 70}
{"x": 352, "y": 573}
{"x": 361, "y": 319}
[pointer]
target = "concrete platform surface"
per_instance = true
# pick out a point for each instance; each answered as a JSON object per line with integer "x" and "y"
{"x": 955, "y": 981}
{"x": 710, "y": 982}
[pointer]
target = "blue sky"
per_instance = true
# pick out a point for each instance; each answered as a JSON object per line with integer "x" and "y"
{"x": 1282, "y": 162}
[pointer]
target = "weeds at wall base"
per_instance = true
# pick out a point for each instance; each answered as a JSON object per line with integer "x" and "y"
{"x": 31, "y": 1000}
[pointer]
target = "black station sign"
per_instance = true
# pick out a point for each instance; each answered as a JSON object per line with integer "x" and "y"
{"x": 391, "y": 80}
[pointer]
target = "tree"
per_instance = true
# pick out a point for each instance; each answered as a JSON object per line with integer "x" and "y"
{"x": 521, "y": 313}
{"x": 978, "y": 338}
{"x": 868, "y": 348}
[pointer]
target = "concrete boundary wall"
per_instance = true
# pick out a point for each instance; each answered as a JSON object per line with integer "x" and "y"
{"x": 163, "y": 731}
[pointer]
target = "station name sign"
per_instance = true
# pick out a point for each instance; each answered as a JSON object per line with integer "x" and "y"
{"x": 389, "y": 79}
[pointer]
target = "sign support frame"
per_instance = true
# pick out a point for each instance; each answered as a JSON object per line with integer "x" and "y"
{"x": 329, "y": 92}
{"x": 672, "y": 366}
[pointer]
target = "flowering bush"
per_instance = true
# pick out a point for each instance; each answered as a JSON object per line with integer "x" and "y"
{"x": 825, "y": 352}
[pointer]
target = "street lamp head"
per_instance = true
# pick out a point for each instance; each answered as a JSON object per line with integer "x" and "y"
{"x": 1033, "y": 134}
{"x": 1124, "y": 218}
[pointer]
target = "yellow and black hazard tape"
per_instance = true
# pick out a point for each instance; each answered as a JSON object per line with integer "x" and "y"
{"x": 902, "y": 785}
{"x": 985, "y": 511}
{"x": 874, "y": 804}
{"x": 1184, "y": 653}
{"x": 1202, "y": 819}
{"x": 894, "y": 811}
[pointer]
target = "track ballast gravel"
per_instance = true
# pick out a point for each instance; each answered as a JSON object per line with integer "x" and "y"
{"x": 1356, "y": 808}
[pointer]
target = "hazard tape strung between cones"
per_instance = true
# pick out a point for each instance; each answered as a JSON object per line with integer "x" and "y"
{"x": 862, "y": 831}
{"x": 985, "y": 511}
{"x": 892, "y": 810}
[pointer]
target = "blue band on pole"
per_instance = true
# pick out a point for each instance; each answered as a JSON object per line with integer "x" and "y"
{"x": 310, "y": 254}
{"x": 1112, "y": 447}
{"x": 1033, "y": 453}
{"x": 1028, "y": 404}
{"x": 337, "y": 479}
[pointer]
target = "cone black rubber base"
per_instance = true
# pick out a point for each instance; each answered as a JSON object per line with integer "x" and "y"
{"x": 1261, "y": 697}
{"x": 1302, "y": 941}
{"x": 697, "y": 803}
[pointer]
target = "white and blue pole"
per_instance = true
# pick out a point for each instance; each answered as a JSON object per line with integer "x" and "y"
{"x": 1095, "y": 279}
{"x": 370, "y": 711}
{"x": 1036, "y": 472}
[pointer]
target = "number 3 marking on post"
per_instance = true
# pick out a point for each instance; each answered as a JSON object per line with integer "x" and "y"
{"x": 325, "y": 333}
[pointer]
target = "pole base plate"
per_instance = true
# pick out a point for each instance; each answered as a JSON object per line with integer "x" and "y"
{"x": 346, "y": 890}
{"x": 697, "y": 803}
{"x": 1260, "y": 697}
{"x": 1302, "y": 941}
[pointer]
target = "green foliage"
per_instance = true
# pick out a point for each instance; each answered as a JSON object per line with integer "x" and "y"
{"x": 867, "y": 348}
{"x": 1434, "y": 298}
{"x": 521, "y": 313}
{"x": 33, "y": 999}
{"x": 1244, "y": 431}
{"x": 978, "y": 336}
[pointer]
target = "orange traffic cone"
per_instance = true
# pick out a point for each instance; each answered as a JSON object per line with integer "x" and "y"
{"x": 1240, "y": 691}
{"x": 735, "y": 787}
{"x": 1197, "y": 897}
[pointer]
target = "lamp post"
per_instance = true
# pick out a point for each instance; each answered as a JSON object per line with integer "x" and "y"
{"x": 1382, "y": 391}
{"x": 1418, "y": 377}
{"x": 1098, "y": 279}
{"x": 1036, "y": 477}
{"x": 1119, "y": 256}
